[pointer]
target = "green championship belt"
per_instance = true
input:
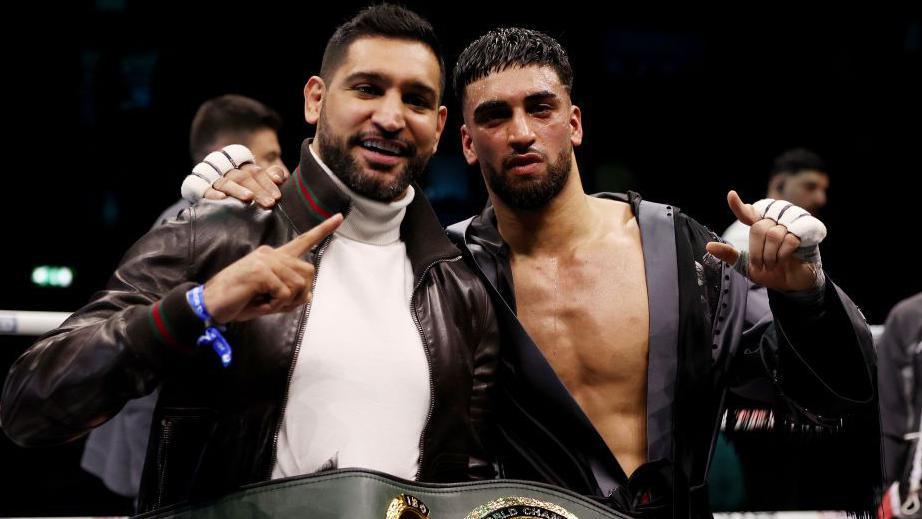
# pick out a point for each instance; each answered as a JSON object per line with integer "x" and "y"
{"x": 363, "y": 494}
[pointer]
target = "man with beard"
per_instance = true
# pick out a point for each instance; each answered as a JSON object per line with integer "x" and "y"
{"x": 369, "y": 347}
{"x": 628, "y": 318}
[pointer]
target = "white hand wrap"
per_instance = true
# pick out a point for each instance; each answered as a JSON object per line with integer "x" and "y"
{"x": 799, "y": 222}
{"x": 802, "y": 224}
{"x": 238, "y": 154}
{"x": 215, "y": 166}
{"x": 193, "y": 188}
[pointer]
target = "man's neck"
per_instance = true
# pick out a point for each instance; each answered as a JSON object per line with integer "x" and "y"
{"x": 369, "y": 221}
{"x": 564, "y": 222}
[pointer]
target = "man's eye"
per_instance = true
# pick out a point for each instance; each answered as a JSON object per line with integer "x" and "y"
{"x": 491, "y": 117}
{"x": 417, "y": 101}
{"x": 366, "y": 89}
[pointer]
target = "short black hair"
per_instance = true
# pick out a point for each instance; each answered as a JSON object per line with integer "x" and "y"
{"x": 503, "y": 48}
{"x": 384, "y": 21}
{"x": 228, "y": 114}
{"x": 793, "y": 161}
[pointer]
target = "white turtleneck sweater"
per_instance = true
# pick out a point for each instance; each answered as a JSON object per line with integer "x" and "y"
{"x": 359, "y": 396}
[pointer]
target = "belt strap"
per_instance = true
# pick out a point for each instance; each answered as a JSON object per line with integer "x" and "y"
{"x": 364, "y": 494}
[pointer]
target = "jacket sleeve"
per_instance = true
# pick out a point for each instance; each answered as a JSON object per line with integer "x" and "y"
{"x": 818, "y": 363}
{"x": 812, "y": 350}
{"x": 817, "y": 351}
{"x": 116, "y": 348}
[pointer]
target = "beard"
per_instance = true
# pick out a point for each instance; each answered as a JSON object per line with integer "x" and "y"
{"x": 381, "y": 188}
{"x": 531, "y": 193}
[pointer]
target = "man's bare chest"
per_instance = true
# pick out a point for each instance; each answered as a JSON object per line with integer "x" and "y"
{"x": 587, "y": 313}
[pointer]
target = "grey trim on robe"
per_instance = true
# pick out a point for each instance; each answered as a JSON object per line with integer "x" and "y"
{"x": 657, "y": 234}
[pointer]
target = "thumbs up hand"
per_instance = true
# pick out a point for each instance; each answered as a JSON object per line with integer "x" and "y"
{"x": 783, "y": 244}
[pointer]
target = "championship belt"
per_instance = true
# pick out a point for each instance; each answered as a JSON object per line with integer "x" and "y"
{"x": 364, "y": 494}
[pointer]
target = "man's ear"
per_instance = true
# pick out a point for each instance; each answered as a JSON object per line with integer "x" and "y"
{"x": 314, "y": 91}
{"x": 467, "y": 146}
{"x": 576, "y": 126}
{"x": 439, "y": 127}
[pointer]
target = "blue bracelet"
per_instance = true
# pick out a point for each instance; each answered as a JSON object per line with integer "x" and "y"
{"x": 212, "y": 335}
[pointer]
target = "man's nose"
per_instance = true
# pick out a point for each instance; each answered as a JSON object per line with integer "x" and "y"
{"x": 521, "y": 136}
{"x": 388, "y": 115}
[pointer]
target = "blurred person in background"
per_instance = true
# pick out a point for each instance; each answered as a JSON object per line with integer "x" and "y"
{"x": 236, "y": 119}
{"x": 899, "y": 354}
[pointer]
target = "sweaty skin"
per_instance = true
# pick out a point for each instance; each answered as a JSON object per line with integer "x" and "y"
{"x": 586, "y": 308}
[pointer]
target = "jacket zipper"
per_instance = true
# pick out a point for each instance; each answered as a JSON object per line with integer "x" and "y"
{"x": 305, "y": 313}
{"x": 422, "y": 336}
{"x": 164, "y": 443}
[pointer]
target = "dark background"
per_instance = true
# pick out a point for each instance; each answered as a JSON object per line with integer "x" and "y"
{"x": 680, "y": 105}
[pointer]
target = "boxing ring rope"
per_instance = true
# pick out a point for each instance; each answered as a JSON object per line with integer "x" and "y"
{"x": 21, "y": 322}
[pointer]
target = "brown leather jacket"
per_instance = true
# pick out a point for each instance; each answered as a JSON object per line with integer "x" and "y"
{"x": 216, "y": 428}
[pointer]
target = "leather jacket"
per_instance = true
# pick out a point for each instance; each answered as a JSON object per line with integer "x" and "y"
{"x": 216, "y": 429}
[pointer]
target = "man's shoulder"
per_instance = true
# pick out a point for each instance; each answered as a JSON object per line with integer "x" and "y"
{"x": 232, "y": 226}
{"x": 172, "y": 212}
{"x": 909, "y": 309}
{"x": 681, "y": 218}
{"x": 614, "y": 197}
{"x": 636, "y": 201}
{"x": 697, "y": 228}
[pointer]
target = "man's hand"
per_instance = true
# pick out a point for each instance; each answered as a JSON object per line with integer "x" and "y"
{"x": 266, "y": 280}
{"x": 250, "y": 183}
{"x": 772, "y": 247}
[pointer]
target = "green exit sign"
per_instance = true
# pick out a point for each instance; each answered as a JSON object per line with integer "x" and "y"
{"x": 47, "y": 276}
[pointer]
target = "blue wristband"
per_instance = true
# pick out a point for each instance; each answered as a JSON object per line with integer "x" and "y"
{"x": 196, "y": 299}
{"x": 212, "y": 335}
